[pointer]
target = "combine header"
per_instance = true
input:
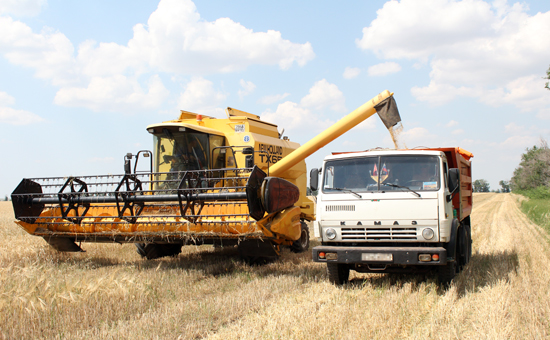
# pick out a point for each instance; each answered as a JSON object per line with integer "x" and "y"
{"x": 226, "y": 182}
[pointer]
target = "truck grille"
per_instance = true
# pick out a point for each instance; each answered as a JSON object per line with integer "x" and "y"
{"x": 379, "y": 234}
{"x": 340, "y": 208}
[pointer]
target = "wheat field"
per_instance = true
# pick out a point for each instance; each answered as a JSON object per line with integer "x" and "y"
{"x": 109, "y": 292}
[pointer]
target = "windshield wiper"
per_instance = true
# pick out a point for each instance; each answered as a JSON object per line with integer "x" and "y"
{"x": 402, "y": 187}
{"x": 348, "y": 190}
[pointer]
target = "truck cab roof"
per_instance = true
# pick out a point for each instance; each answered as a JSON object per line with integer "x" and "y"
{"x": 419, "y": 151}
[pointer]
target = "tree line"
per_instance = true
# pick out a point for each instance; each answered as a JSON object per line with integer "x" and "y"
{"x": 533, "y": 172}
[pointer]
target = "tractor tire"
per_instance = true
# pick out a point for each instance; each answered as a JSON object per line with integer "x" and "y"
{"x": 338, "y": 273}
{"x": 301, "y": 244}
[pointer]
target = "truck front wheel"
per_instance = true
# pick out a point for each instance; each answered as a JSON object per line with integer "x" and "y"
{"x": 338, "y": 273}
{"x": 446, "y": 273}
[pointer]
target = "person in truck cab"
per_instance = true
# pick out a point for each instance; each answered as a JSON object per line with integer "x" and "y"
{"x": 424, "y": 176}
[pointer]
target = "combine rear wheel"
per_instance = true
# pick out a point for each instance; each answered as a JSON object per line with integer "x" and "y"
{"x": 338, "y": 273}
{"x": 301, "y": 244}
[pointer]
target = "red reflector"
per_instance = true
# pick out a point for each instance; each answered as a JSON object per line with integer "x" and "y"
{"x": 322, "y": 255}
{"x": 435, "y": 257}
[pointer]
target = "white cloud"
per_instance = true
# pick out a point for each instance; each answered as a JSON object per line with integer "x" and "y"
{"x": 6, "y": 99}
{"x": 458, "y": 132}
{"x": 492, "y": 52}
{"x": 200, "y": 96}
{"x": 268, "y": 100}
{"x": 247, "y": 88}
{"x": 292, "y": 116}
{"x": 351, "y": 72}
{"x": 526, "y": 93}
{"x": 17, "y": 117}
{"x": 417, "y": 136}
{"x": 367, "y": 124}
{"x": 452, "y": 123}
{"x": 175, "y": 40}
{"x": 116, "y": 93}
{"x": 21, "y": 7}
{"x": 13, "y": 116}
{"x": 49, "y": 53}
{"x": 308, "y": 113}
{"x": 384, "y": 69}
{"x": 324, "y": 94}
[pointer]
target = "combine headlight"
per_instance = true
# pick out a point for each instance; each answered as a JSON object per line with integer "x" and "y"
{"x": 330, "y": 233}
{"x": 428, "y": 233}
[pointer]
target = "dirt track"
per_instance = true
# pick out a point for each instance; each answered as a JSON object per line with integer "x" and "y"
{"x": 110, "y": 293}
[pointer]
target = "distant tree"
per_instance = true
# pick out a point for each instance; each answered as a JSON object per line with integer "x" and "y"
{"x": 6, "y": 198}
{"x": 481, "y": 185}
{"x": 547, "y": 77}
{"x": 534, "y": 169}
{"x": 505, "y": 186}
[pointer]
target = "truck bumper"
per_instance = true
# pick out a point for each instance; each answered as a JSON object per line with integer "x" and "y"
{"x": 379, "y": 255}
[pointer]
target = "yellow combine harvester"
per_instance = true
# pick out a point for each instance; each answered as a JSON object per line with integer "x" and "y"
{"x": 226, "y": 182}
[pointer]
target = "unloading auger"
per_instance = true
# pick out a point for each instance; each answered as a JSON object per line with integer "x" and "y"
{"x": 195, "y": 191}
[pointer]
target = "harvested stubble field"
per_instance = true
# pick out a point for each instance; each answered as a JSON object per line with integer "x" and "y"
{"x": 109, "y": 292}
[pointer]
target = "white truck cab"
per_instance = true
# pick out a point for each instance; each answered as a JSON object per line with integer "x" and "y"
{"x": 389, "y": 211}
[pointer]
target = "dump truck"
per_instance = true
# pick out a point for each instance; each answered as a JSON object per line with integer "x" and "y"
{"x": 394, "y": 211}
{"x": 226, "y": 182}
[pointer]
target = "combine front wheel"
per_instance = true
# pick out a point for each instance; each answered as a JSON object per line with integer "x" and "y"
{"x": 301, "y": 244}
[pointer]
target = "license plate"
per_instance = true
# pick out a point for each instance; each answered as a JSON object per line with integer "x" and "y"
{"x": 377, "y": 257}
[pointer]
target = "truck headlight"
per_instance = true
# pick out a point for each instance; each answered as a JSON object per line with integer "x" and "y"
{"x": 330, "y": 233}
{"x": 428, "y": 233}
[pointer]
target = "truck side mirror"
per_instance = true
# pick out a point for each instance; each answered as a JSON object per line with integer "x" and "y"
{"x": 314, "y": 179}
{"x": 454, "y": 182}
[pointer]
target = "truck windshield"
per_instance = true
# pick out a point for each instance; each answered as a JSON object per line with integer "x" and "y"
{"x": 382, "y": 173}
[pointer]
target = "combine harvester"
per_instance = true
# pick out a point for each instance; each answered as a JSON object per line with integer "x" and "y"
{"x": 225, "y": 182}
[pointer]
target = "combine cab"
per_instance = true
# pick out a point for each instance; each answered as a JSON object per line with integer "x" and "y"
{"x": 231, "y": 181}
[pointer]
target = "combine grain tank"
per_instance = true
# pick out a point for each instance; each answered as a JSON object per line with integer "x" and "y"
{"x": 232, "y": 181}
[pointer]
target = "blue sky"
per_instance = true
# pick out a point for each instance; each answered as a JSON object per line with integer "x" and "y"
{"x": 80, "y": 81}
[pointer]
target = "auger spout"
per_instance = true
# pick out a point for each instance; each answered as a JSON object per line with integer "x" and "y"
{"x": 382, "y": 103}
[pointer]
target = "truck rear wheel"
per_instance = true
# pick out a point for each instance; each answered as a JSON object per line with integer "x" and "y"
{"x": 338, "y": 273}
{"x": 464, "y": 248}
{"x": 301, "y": 244}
